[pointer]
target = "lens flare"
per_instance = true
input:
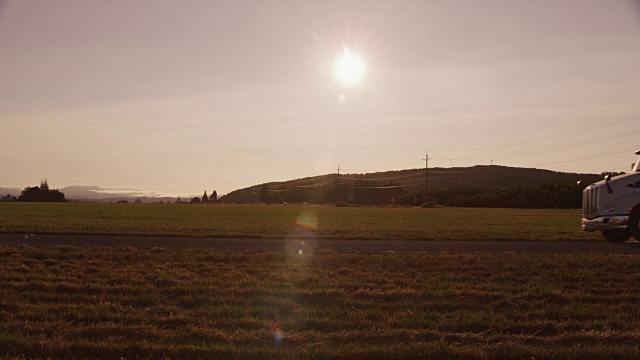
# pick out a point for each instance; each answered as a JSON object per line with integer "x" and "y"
{"x": 300, "y": 251}
{"x": 307, "y": 220}
{"x": 301, "y": 242}
{"x": 278, "y": 335}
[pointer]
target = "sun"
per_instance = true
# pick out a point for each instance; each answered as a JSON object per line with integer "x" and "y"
{"x": 349, "y": 68}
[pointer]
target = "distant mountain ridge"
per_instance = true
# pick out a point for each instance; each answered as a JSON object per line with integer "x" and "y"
{"x": 413, "y": 180}
{"x": 4, "y": 191}
{"x": 98, "y": 194}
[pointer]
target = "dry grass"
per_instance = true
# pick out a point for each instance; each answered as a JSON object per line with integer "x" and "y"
{"x": 73, "y": 302}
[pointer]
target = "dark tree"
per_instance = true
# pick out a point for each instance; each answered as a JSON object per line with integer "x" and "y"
{"x": 196, "y": 200}
{"x": 205, "y": 198}
{"x": 41, "y": 193}
{"x": 214, "y": 197}
{"x": 44, "y": 186}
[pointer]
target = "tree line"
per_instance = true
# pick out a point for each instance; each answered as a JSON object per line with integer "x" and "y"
{"x": 205, "y": 198}
{"x": 551, "y": 196}
{"x": 41, "y": 193}
{"x": 374, "y": 193}
{"x": 559, "y": 196}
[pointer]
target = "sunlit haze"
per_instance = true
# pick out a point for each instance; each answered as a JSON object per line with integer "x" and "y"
{"x": 179, "y": 97}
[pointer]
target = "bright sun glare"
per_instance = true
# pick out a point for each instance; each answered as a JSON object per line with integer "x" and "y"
{"x": 349, "y": 68}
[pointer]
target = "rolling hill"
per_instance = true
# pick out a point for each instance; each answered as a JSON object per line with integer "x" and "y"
{"x": 413, "y": 181}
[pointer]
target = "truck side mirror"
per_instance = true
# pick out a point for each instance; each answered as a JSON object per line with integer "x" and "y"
{"x": 579, "y": 183}
{"x": 607, "y": 178}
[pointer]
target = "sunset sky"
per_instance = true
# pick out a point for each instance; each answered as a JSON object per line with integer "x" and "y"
{"x": 179, "y": 97}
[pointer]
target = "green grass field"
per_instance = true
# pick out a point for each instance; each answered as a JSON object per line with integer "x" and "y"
{"x": 98, "y": 302}
{"x": 277, "y": 221}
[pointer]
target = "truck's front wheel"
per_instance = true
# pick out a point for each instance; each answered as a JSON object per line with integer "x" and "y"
{"x": 634, "y": 223}
{"x": 616, "y": 235}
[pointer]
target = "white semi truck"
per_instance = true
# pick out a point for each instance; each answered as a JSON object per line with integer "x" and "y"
{"x": 612, "y": 206}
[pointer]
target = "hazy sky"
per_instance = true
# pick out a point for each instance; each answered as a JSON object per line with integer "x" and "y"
{"x": 187, "y": 96}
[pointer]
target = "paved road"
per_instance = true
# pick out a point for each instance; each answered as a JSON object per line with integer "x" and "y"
{"x": 347, "y": 246}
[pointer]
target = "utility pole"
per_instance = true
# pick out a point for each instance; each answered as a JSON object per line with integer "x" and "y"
{"x": 426, "y": 174}
{"x": 292, "y": 198}
{"x": 338, "y": 185}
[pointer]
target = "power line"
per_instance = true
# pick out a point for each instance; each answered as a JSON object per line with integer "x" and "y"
{"x": 379, "y": 187}
{"x": 465, "y": 171}
{"x": 365, "y": 175}
{"x": 372, "y": 186}
{"x": 550, "y": 137}
{"x": 559, "y": 147}
{"x": 415, "y": 174}
{"x": 383, "y": 178}
{"x": 314, "y": 185}
{"x": 279, "y": 184}
{"x": 415, "y": 182}
{"x": 613, "y": 152}
{"x": 370, "y": 177}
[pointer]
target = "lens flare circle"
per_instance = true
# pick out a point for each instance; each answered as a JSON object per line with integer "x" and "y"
{"x": 278, "y": 335}
{"x": 301, "y": 242}
{"x": 307, "y": 220}
{"x": 349, "y": 68}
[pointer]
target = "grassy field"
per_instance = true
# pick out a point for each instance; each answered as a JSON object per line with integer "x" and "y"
{"x": 74, "y": 302}
{"x": 277, "y": 221}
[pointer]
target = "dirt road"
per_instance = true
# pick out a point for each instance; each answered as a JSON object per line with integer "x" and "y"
{"x": 346, "y": 246}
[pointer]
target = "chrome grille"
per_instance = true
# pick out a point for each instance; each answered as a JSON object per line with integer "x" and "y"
{"x": 590, "y": 201}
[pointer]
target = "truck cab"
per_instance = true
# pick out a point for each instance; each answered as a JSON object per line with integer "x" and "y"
{"x": 612, "y": 206}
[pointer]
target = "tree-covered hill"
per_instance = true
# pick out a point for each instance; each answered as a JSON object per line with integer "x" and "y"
{"x": 462, "y": 186}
